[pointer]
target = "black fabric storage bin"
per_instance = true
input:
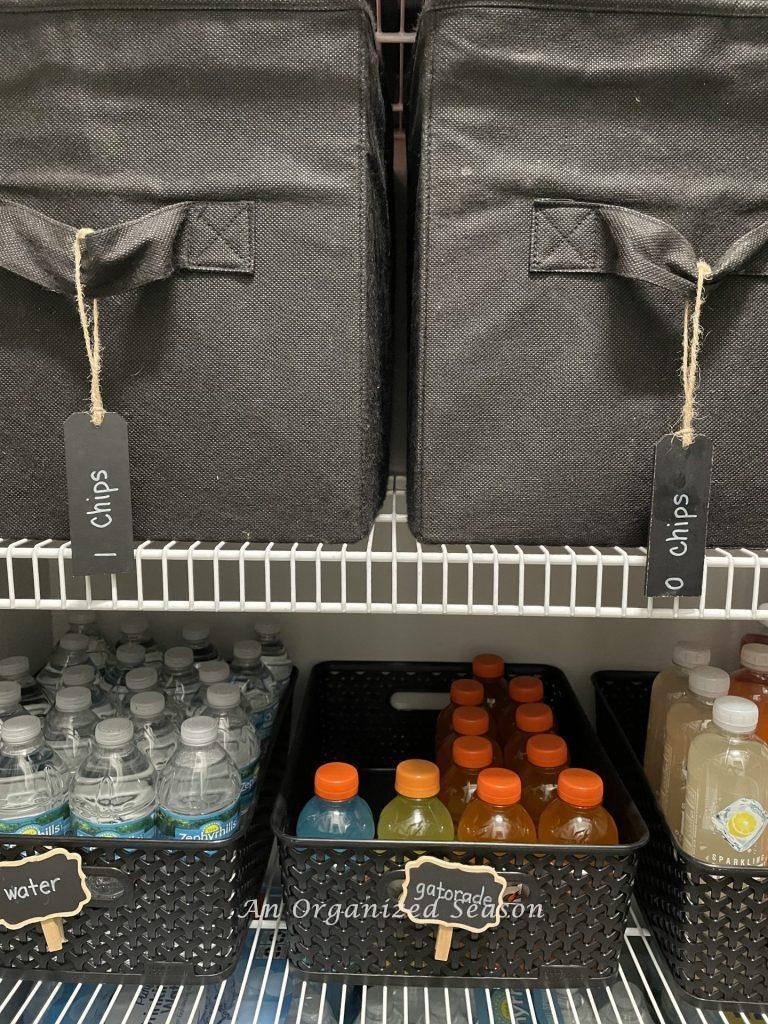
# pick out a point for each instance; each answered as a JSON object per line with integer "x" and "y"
{"x": 711, "y": 923}
{"x": 584, "y": 892}
{"x": 571, "y": 162}
{"x": 232, "y": 159}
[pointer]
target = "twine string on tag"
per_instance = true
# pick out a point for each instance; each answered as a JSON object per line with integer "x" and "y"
{"x": 89, "y": 321}
{"x": 689, "y": 369}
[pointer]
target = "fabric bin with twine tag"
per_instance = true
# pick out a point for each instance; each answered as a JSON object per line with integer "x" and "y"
{"x": 591, "y": 226}
{"x": 224, "y": 174}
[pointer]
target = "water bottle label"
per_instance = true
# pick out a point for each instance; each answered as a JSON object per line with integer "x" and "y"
{"x": 249, "y": 773}
{"x": 205, "y": 826}
{"x": 279, "y": 665}
{"x": 55, "y": 822}
{"x": 263, "y": 719}
{"x": 136, "y": 828}
{"x": 741, "y": 823}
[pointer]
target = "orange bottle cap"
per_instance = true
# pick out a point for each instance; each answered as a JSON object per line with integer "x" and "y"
{"x": 499, "y": 786}
{"x": 526, "y": 690}
{"x": 488, "y": 666}
{"x": 336, "y": 781}
{"x": 546, "y": 750}
{"x": 534, "y": 718}
{"x": 472, "y": 752}
{"x": 417, "y": 778}
{"x": 467, "y": 692}
{"x": 580, "y": 787}
{"x": 471, "y": 721}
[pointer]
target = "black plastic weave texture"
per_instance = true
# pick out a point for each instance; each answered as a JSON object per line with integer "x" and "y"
{"x": 348, "y": 715}
{"x": 712, "y": 926}
{"x": 163, "y": 912}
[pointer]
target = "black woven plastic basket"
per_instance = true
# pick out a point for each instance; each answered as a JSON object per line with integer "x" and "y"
{"x": 348, "y": 715}
{"x": 163, "y": 911}
{"x": 711, "y": 925}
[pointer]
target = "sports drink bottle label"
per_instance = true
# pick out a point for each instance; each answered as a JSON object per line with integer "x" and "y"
{"x": 741, "y": 823}
{"x": 206, "y": 826}
{"x": 136, "y": 828}
{"x": 55, "y": 822}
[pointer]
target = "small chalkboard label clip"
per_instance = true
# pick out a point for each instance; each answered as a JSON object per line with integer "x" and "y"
{"x": 43, "y": 889}
{"x": 451, "y": 896}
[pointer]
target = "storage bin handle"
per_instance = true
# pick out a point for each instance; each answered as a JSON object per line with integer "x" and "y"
{"x": 201, "y": 236}
{"x": 594, "y": 238}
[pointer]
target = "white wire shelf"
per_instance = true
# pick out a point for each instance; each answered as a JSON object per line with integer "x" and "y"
{"x": 389, "y": 573}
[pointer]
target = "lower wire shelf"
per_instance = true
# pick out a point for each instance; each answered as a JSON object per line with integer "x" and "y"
{"x": 264, "y": 990}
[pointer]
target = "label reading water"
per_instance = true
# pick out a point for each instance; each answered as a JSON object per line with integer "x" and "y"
{"x": 136, "y": 828}
{"x": 741, "y": 823}
{"x": 55, "y": 822}
{"x": 206, "y": 826}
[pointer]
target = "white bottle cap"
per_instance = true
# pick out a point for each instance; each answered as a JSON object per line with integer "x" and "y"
{"x": 735, "y": 714}
{"x": 708, "y": 681}
{"x": 14, "y": 667}
{"x": 130, "y": 654}
{"x": 179, "y": 658}
{"x": 266, "y": 631}
{"x": 142, "y": 678}
{"x": 147, "y": 705}
{"x": 74, "y": 642}
{"x": 81, "y": 618}
{"x": 21, "y": 729}
{"x": 114, "y": 732}
{"x": 199, "y": 731}
{"x": 223, "y": 695}
{"x": 247, "y": 650}
{"x": 134, "y": 625}
{"x": 196, "y": 634}
{"x": 214, "y": 672}
{"x": 74, "y": 698}
{"x": 10, "y": 694}
{"x": 78, "y": 675}
{"x": 763, "y": 619}
{"x": 690, "y": 655}
{"x": 755, "y": 656}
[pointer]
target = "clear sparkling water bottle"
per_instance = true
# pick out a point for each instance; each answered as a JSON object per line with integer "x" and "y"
{"x": 135, "y": 629}
{"x": 199, "y": 789}
{"x": 70, "y": 725}
{"x": 127, "y": 656}
{"x": 258, "y": 686}
{"x": 198, "y": 637}
{"x": 274, "y": 656}
{"x": 236, "y": 734}
{"x": 72, "y": 649}
{"x": 180, "y": 680}
{"x": 113, "y": 791}
{"x": 34, "y": 700}
{"x": 10, "y": 700}
{"x": 33, "y": 786}
{"x": 86, "y": 675}
{"x": 156, "y": 732}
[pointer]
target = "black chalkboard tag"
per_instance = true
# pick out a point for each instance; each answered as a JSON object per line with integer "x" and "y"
{"x": 99, "y": 493}
{"x": 677, "y": 540}
{"x": 451, "y": 896}
{"x": 43, "y": 889}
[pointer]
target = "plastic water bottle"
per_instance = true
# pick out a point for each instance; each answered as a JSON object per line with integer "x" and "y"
{"x": 198, "y": 637}
{"x": 199, "y": 789}
{"x": 145, "y": 679}
{"x": 85, "y": 624}
{"x": 33, "y": 787}
{"x": 236, "y": 735}
{"x": 113, "y": 791}
{"x": 70, "y": 725}
{"x": 72, "y": 649}
{"x": 34, "y": 700}
{"x": 273, "y": 653}
{"x": 85, "y": 675}
{"x": 258, "y": 685}
{"x": 336, "y": 809}
{"x": 10, "y": 700}
{"x": 127, "y": 656}
{"x": 155, "y": 730}
{"x": 135, "y": 629}
{"x": 180, "y": 680}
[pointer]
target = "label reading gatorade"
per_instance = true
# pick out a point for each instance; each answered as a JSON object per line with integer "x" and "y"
{"x": 741, "y": 823}
{"x": 136, "y": 828}
{"x": 206, "y": 826}
{"x": 55, "y": 822}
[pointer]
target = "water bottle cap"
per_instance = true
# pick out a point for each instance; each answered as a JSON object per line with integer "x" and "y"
{"x": 336, "y": 780}
{"x": 546, "y": 750}
{"x": 74, "y": 642}
{"x": 179, "y": 658}
{"x": 81, "y": 618}
{"x": 735, "y": 714}
{"x": 134, "y": 625}
{"x": 690, "y": 655}
{"x": 130, "y": 654}
{"x": 266, "y": 631}
{"x": 14, "y": 667}
{"x": 708, "y": 681}
{"x": 487, "y": 666}
{"x": 467, "y": 692}
{"x": 73, "y": 698}
{"x": 199, "y": 731}
{"x": 499, "y": 786}
{"x": 223, "y": 695}
{"x": 114, "y": 732}
{"x": 10, "y": 694}
{"x": 78, "y": 675}
{"x": 470, "y": 721}
{"x": 247, "y": 650}
{"x": 195, "y": 634}
{"x": 526, "y": 690}
{"x": 535, "y": 717}
{"x": 142, "y": 678}
{"x": 580, "y": 787}
{"x": 755, "y": 656}
{"x": 472, "y": 752}
{"x": 21, "y": 729}
{"x": 214, "y": 672}
{"x": 147, "y": 705}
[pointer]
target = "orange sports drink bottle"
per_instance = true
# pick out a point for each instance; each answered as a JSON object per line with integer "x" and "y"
{"x": 488, "y": 669}
{"x": 546, "y": 755}
{"x": 496, "y": 814}
{"x": 530, "y": 720}
{"x": 521, "y": 690}
{"x": 470, "y": 755}
{"x": 576, "y": 815}
{"x": 467, "y": 722}
{"x": 465, "y": 693}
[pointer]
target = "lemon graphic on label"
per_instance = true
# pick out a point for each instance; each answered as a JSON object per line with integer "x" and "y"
{"x": 742, "y": 824}
{"x": 212, "y": 828}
